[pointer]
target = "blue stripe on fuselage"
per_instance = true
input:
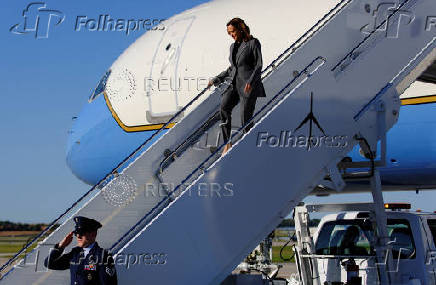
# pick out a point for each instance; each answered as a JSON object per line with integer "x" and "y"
{"x": 97, "y": 144}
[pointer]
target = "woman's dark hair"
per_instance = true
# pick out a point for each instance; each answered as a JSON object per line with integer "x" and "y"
{"x": 240, "y": 26}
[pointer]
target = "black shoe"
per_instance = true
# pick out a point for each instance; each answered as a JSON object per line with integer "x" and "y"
{"x": 213, "y": 149}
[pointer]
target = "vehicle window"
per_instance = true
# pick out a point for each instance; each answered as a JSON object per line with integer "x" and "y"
{"x": 401, "y": 238}
{"x": 352, "y": 237}
{"x": 345, "y": 237}
{"x": 432, "y": 226}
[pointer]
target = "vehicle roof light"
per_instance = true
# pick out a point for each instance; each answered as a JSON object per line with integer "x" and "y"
{"x": 397, "y": 206}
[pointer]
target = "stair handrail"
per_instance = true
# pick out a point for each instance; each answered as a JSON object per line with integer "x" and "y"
{"x": 284, "y": 55}
{"x": 200, "y": 167}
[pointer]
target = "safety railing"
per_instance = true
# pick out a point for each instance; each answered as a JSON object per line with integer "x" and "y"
{"x": 170, "y": 156}
{"x": 203, "y": 167}
{"x": 99, "y": 185}
{"x": 265, "y": 73}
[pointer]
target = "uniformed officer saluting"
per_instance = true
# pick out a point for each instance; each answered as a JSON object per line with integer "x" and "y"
{"x": 88, "y": 263}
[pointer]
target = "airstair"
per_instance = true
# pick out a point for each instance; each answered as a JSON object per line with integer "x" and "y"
{"x": 178, "y": 212}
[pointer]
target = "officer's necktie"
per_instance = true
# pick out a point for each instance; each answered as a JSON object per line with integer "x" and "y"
{"x": 79, "y": 262}
{"x": 81, "y": 256}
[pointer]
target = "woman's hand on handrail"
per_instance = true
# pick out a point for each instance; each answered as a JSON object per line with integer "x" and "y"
{"x": 209, "y": 84}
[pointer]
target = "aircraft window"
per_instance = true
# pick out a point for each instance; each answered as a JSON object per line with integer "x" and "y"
{"x": 401, "y": 239}
{"x": 432, "y": 226}
{"x": 345, "y": 237}
{"x": 100, "y": 87}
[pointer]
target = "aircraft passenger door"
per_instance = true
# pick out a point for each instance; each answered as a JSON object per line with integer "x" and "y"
{"x": 164, "y": 80}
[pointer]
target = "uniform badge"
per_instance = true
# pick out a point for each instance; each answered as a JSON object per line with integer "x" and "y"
{"x": 91, "y": 267}
{"x": 110, "y": 271}
{"x": 89, "y": 276}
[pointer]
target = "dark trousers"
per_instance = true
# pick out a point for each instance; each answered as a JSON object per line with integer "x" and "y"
{"x": 229, "y": 100}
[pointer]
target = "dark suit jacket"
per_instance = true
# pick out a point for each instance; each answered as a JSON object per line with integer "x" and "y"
{"x": 97, "y": 268}
{"x": 248, "y": 69}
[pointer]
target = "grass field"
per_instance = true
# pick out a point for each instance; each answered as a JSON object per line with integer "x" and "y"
{"x": 15, "y": 239}
{"x": 287, "y": 252}
{"x": 7, "y": 250}
{"x": 24, "y": 234}
{"x": 12, "y": 242}
{"x": 281, "y": 233}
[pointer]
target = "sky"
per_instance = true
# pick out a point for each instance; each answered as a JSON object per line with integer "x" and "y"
{"x": 44, "y": 83}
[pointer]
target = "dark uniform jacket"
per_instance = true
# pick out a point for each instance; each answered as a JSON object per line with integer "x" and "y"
{"x": 97, "y": 268}
{"x": 248, "y": 69}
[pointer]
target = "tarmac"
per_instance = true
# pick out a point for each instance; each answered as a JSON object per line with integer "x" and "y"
{"x": 287, "y": 270}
